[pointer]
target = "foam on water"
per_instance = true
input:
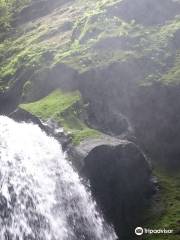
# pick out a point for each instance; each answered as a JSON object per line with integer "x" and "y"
{"x": 41, "y": 196}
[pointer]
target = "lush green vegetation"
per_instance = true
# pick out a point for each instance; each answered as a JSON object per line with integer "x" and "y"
{"x": 61, "y": 107}
{"x": 83, "y": 38}
{"x": 165, "y": 211}
{"x": 8, "y": 8}
{"x": 173, "y": 75}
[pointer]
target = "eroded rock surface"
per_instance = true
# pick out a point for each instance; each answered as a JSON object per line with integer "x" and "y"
{"x": 120, "y": 178}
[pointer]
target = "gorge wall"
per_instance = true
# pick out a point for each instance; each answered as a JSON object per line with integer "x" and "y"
{"x": 99, "y": 68}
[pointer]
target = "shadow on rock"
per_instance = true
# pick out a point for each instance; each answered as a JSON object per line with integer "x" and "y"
{"x": 121, "y": 182}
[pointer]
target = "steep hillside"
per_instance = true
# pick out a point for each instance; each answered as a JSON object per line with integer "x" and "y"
{"x": 108, "y": 43}
{"x": 99, "y": 67}
{"x": 90, "y": 34}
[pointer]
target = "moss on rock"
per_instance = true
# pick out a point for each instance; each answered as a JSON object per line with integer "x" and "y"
{"x": 165, "y": 210}
{"x": 61, "y": 107}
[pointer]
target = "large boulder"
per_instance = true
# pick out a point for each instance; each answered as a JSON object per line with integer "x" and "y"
{"x": 120, "y": 178}
{"x": 118, "y": 104}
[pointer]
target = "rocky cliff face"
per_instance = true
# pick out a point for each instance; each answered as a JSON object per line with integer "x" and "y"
{"x": 148, "y": 112}
{"x": 108, "y": 50}
{"x": 111, "y": 170}
{"x": 121, "y": 56}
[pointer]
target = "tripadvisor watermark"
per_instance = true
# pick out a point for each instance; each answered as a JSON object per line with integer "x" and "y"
{"x": 140, "y": 231}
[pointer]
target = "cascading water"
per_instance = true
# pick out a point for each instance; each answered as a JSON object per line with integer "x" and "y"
{"x": 41, "y": 196}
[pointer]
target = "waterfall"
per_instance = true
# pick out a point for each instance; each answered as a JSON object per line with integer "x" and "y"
{"x": 41, "y": 196}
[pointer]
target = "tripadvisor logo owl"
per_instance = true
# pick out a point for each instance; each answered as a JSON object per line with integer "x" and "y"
{"x": 139, "y": 231}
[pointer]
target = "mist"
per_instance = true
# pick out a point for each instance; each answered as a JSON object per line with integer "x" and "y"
{"x": 101, "y": 80}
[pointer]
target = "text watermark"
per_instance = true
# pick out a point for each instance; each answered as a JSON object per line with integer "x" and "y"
{"x": 140, "y": 231}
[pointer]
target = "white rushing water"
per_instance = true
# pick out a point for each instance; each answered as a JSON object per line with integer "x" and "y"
{"x": 41, "y": 196}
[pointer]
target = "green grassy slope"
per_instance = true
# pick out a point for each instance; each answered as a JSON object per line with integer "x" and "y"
{"x": 165, "y": 210}
{"x": 83, "y": 35}
{"x": 62, "y": 108}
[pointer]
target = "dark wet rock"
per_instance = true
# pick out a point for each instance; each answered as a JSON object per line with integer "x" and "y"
{"x": 122, "y": 42}
{"x": 146, "y": 12}
{"x": 108, "y": 96}
{"x": 81, "y": 151}
{"x": 37, "y": 8}
{"x": 155, "y": 113}
{"x": 120, "y": 178}
{"x": 10, "y": 99}
{"x": 78, "y": 153}
{"x": 45, "y": 81}
{"x": 119, "y": 105}
{"x": 20, "y": 115}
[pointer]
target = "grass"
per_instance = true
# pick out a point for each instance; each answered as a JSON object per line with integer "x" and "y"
{"x": 61, "y": 107}
{"x": 7, "y": 9}
{"x": 90, "y": 25}
{"x": 52, "y": 105}
{"x": 29, "y": 47}
{"x": 165, "y": 211}
{"x": 173, "y": 75}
